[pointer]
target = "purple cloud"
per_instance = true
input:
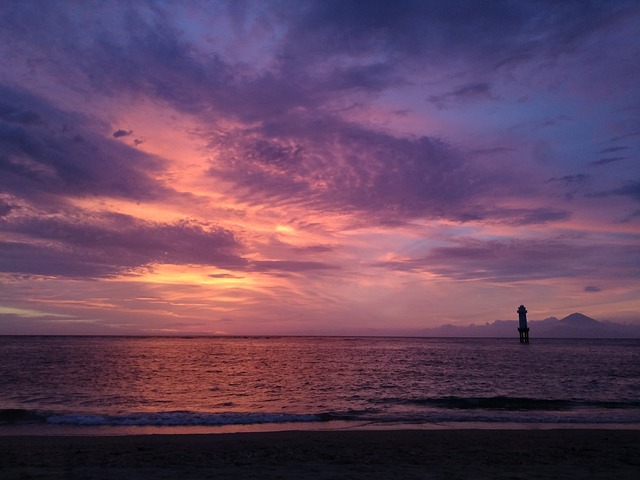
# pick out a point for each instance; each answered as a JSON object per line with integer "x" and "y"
{"x": 122, "y": 133}
{"x": 630, "y": 189}
{"x": 464, "y": 94}
{"x": 335, "y": 165}
{"x": 517, "y": 260}
{"x": 605, "y": 161}
{"x": 60, "y": 155}
{"x": 523, "y": 216}
{"x": 498, "y": 35}
{"x": 317, "y": 157}
{"x": 5, "y": 208}
{"x": 111, "y": 244}
{"x": 288, "y": 266}
{"x": 225, "y": 275}
{"x": 614, "y": 149}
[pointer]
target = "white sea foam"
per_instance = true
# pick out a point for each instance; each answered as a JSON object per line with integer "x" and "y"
{"x": 179, "y": 419}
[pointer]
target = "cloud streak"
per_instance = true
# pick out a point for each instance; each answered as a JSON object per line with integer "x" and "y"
{"x": 520, "y": 260}
{"x": 112, "y": 244}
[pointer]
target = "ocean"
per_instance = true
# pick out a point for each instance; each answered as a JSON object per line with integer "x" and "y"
{"x": 170, "y": 384}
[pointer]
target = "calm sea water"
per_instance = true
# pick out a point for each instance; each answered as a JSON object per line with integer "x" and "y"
{"x": 182, "y": 382}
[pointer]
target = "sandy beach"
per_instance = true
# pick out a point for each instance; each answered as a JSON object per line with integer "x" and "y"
{"x": 429, "y": 454}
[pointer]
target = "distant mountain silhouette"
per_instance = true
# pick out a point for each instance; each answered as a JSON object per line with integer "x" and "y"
{"x": 576, "y": 325}
{"x": 579, "y": 320}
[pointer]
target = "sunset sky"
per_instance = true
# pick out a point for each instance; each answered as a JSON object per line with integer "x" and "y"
{"x": 329, "y": 167}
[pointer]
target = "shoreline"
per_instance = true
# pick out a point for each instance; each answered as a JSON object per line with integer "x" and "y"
{"x": 314, "y": 454}
{"x": 45, "y": 430}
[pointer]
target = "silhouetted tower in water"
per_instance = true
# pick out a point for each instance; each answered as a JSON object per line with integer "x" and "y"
{"x": 522, "y": 324}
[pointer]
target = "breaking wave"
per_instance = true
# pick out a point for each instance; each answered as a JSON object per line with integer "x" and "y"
{"x": 497, "y": 409}
{"x": 169, "y": 419}
{"x": 519, "y": 403}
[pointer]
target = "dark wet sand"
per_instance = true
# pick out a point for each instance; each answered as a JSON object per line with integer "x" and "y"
{"x": 388, "y": 454}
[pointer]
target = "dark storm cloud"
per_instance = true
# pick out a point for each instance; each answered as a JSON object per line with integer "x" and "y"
{"x": 110, "y": 244}
{"x": 59, "y": 154}
{"x": 516, "y": 260}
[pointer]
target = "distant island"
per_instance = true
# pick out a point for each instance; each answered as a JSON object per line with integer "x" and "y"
{"x": 576, "y": 325}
